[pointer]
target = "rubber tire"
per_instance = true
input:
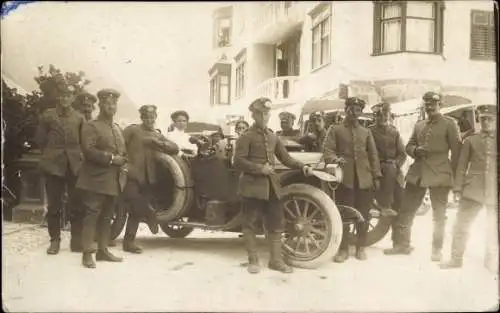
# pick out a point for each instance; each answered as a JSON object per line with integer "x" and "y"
{"x": 176, "y": 233}
{"x": 121, "y": 215}
{"x": 379, "y": 231}
{"x": 321, "y": 199}
{"x": 184, "y": 194}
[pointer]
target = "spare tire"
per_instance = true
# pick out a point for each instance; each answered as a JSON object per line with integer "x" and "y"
{"x": 183, "y": 191}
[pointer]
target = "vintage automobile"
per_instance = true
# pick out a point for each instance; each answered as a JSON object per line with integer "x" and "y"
{"x": 201, "y": 193}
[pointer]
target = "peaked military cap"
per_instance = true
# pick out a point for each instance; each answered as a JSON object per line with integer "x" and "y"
{"x": 176, "y": 114}
{"x": 316, "y": 116}
{"x": 147, "y": 109}
{"x": 486, "y": 110}
{"x": 286, "y": 116}
{"x": 432, "y": 96}
{"x": 382, "y": 106}
{"x": 260, "y": 105}
{"x": 107, "y": 92}
{"x": 83, "y": 96}
{"x": 352, "y": 101}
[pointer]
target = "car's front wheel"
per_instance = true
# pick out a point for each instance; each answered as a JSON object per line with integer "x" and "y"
{"x": 313, "y": 228}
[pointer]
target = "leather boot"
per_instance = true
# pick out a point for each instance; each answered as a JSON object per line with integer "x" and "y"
{"x": 152, "y": 221}
{"x": 451, "y": 264}
{"x": 130, "y": 233}
{"x": 399, "y": 250}
{"x": 105, "y": 255}
{"x": 341, "y": 256}
{"x": 436, "y": 255}
{"x": 361, "y": 254}
{"x": 276, "y": 262}
{"x": 54, "y": 247}
{"x": 111, "y": 243}
{"x": 251, "y": 247}
{"x": 88, "y": 260}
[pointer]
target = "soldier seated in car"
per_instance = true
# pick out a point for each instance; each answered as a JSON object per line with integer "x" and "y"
{"x": 313, "y": 140}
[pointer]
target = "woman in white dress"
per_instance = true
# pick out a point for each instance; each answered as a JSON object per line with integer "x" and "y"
{"x": 178, "y": 135}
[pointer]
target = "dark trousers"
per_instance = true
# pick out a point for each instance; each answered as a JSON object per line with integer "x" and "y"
{"x": 99, "y": 210}
{"x": 388, "y": 184}
{"x": 56, "y": 187}
{"x": 273, "y": 216}
{"x": 268, "y": 209}
{"x": 361, "y": 200}
{"x": 397, "y": 203}
{"x": 413, "y": 196}
{"x": 139, "y": 198}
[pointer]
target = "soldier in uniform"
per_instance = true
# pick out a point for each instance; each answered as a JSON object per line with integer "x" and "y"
{"x": 391, "y": 153}
{"x": 313, "y": 141}
{"x": 475, "y": 187}
{"x": 353, "y": 146}
{"x": 429, "y": 145}
{"x": 58, "y": 136}
{"x": 85, "y": 104}
{"x": 287, "y": 119}
{"x": 142, "y": 142}
{"x": 259, "y": 187}
{"x": 102, "y": 177}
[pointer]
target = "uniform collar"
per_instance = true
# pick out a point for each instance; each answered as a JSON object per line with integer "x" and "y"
{"x": 64, "y": 112}
{"x": 105, "y": 120}
{"x": 259, "y": 129}
{"x": 355, "y": 124}
{"x": 435, "y": 119}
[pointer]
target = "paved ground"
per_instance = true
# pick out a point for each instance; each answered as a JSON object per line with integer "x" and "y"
{"x": 204, "y": 273}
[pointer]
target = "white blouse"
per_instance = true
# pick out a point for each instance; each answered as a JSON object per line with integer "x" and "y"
{"x": 182, "y": 140}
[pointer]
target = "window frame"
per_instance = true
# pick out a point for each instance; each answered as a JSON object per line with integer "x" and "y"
{"x": 377, "y": 43}
{"x": 216, "y": 74}
{"x": 220, "y": 15}
{"x": 319, "y": 17}
{"x": 491, "y": 24}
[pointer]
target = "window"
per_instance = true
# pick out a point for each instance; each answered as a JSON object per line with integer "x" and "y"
{"x": 321, "y": 37}
{"x": 408, "y": 26}
{"x": 482, "y": 44}
{"x": 220, "y": 78}
{"x": 240, "y": 80}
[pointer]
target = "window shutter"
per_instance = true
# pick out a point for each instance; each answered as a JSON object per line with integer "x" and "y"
{"x": 482, "y": 44}
{"x": 377, "y": 7}
{"x": 439, "y": 41}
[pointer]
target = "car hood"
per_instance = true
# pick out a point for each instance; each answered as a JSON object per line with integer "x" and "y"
{"x": 304, "y": 157}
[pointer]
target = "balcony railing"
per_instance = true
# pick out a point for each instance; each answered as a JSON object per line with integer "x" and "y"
{"x": 279, "y": 89}
{"x": 275, "y": 19}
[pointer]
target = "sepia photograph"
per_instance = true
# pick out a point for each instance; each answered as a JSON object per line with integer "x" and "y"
{"x": 253, "y": 156}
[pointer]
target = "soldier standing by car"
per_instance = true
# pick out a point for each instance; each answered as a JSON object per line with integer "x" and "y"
{"x": 58, "y": 136}
{"x": 353, "y": 146}
{"x": 392, "y": 156}
{"x": 102, "y": 177}
{"x": 259, "y": 187}
{"x": 475, "y": 186}
{"x": 314, "y": 139}
{"x": 429, "y": 145}
{"x": 286, "y": 120}
{"x": 142, "y": 142}
{"x": 85, "y": 104}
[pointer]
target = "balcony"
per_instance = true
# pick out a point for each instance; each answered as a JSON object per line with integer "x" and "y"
{"x": 282, "y": 90}
{"x": 275, "y": 20}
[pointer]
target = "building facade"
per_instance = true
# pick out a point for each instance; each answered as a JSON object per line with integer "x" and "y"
{"x": 295, "y": 51}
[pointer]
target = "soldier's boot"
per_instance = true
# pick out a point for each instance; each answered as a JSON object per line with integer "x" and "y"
{"x": 88, "y": 260}
{"x": 399, "y": 250}
{"x": 388, "y": 212}
{"x": 437, "y": 240}
{"x": 111, "y": 243}
{"x": 451, "y": 264}
{"x": 253, "y": 266}
{"x": 105, "y": 255}
{"x": 361, "y": 241}
{"x": 54, "y": 247}
{"x": 276, "y": 262}
{"x": 152, "y": 221}
{"x": 129, "y": 244}
{"x": 436, "y": 255}
{"x": 342, "y": 255}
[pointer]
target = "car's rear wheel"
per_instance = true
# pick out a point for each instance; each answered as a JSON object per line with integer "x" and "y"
{"x": 313, "y": 228}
